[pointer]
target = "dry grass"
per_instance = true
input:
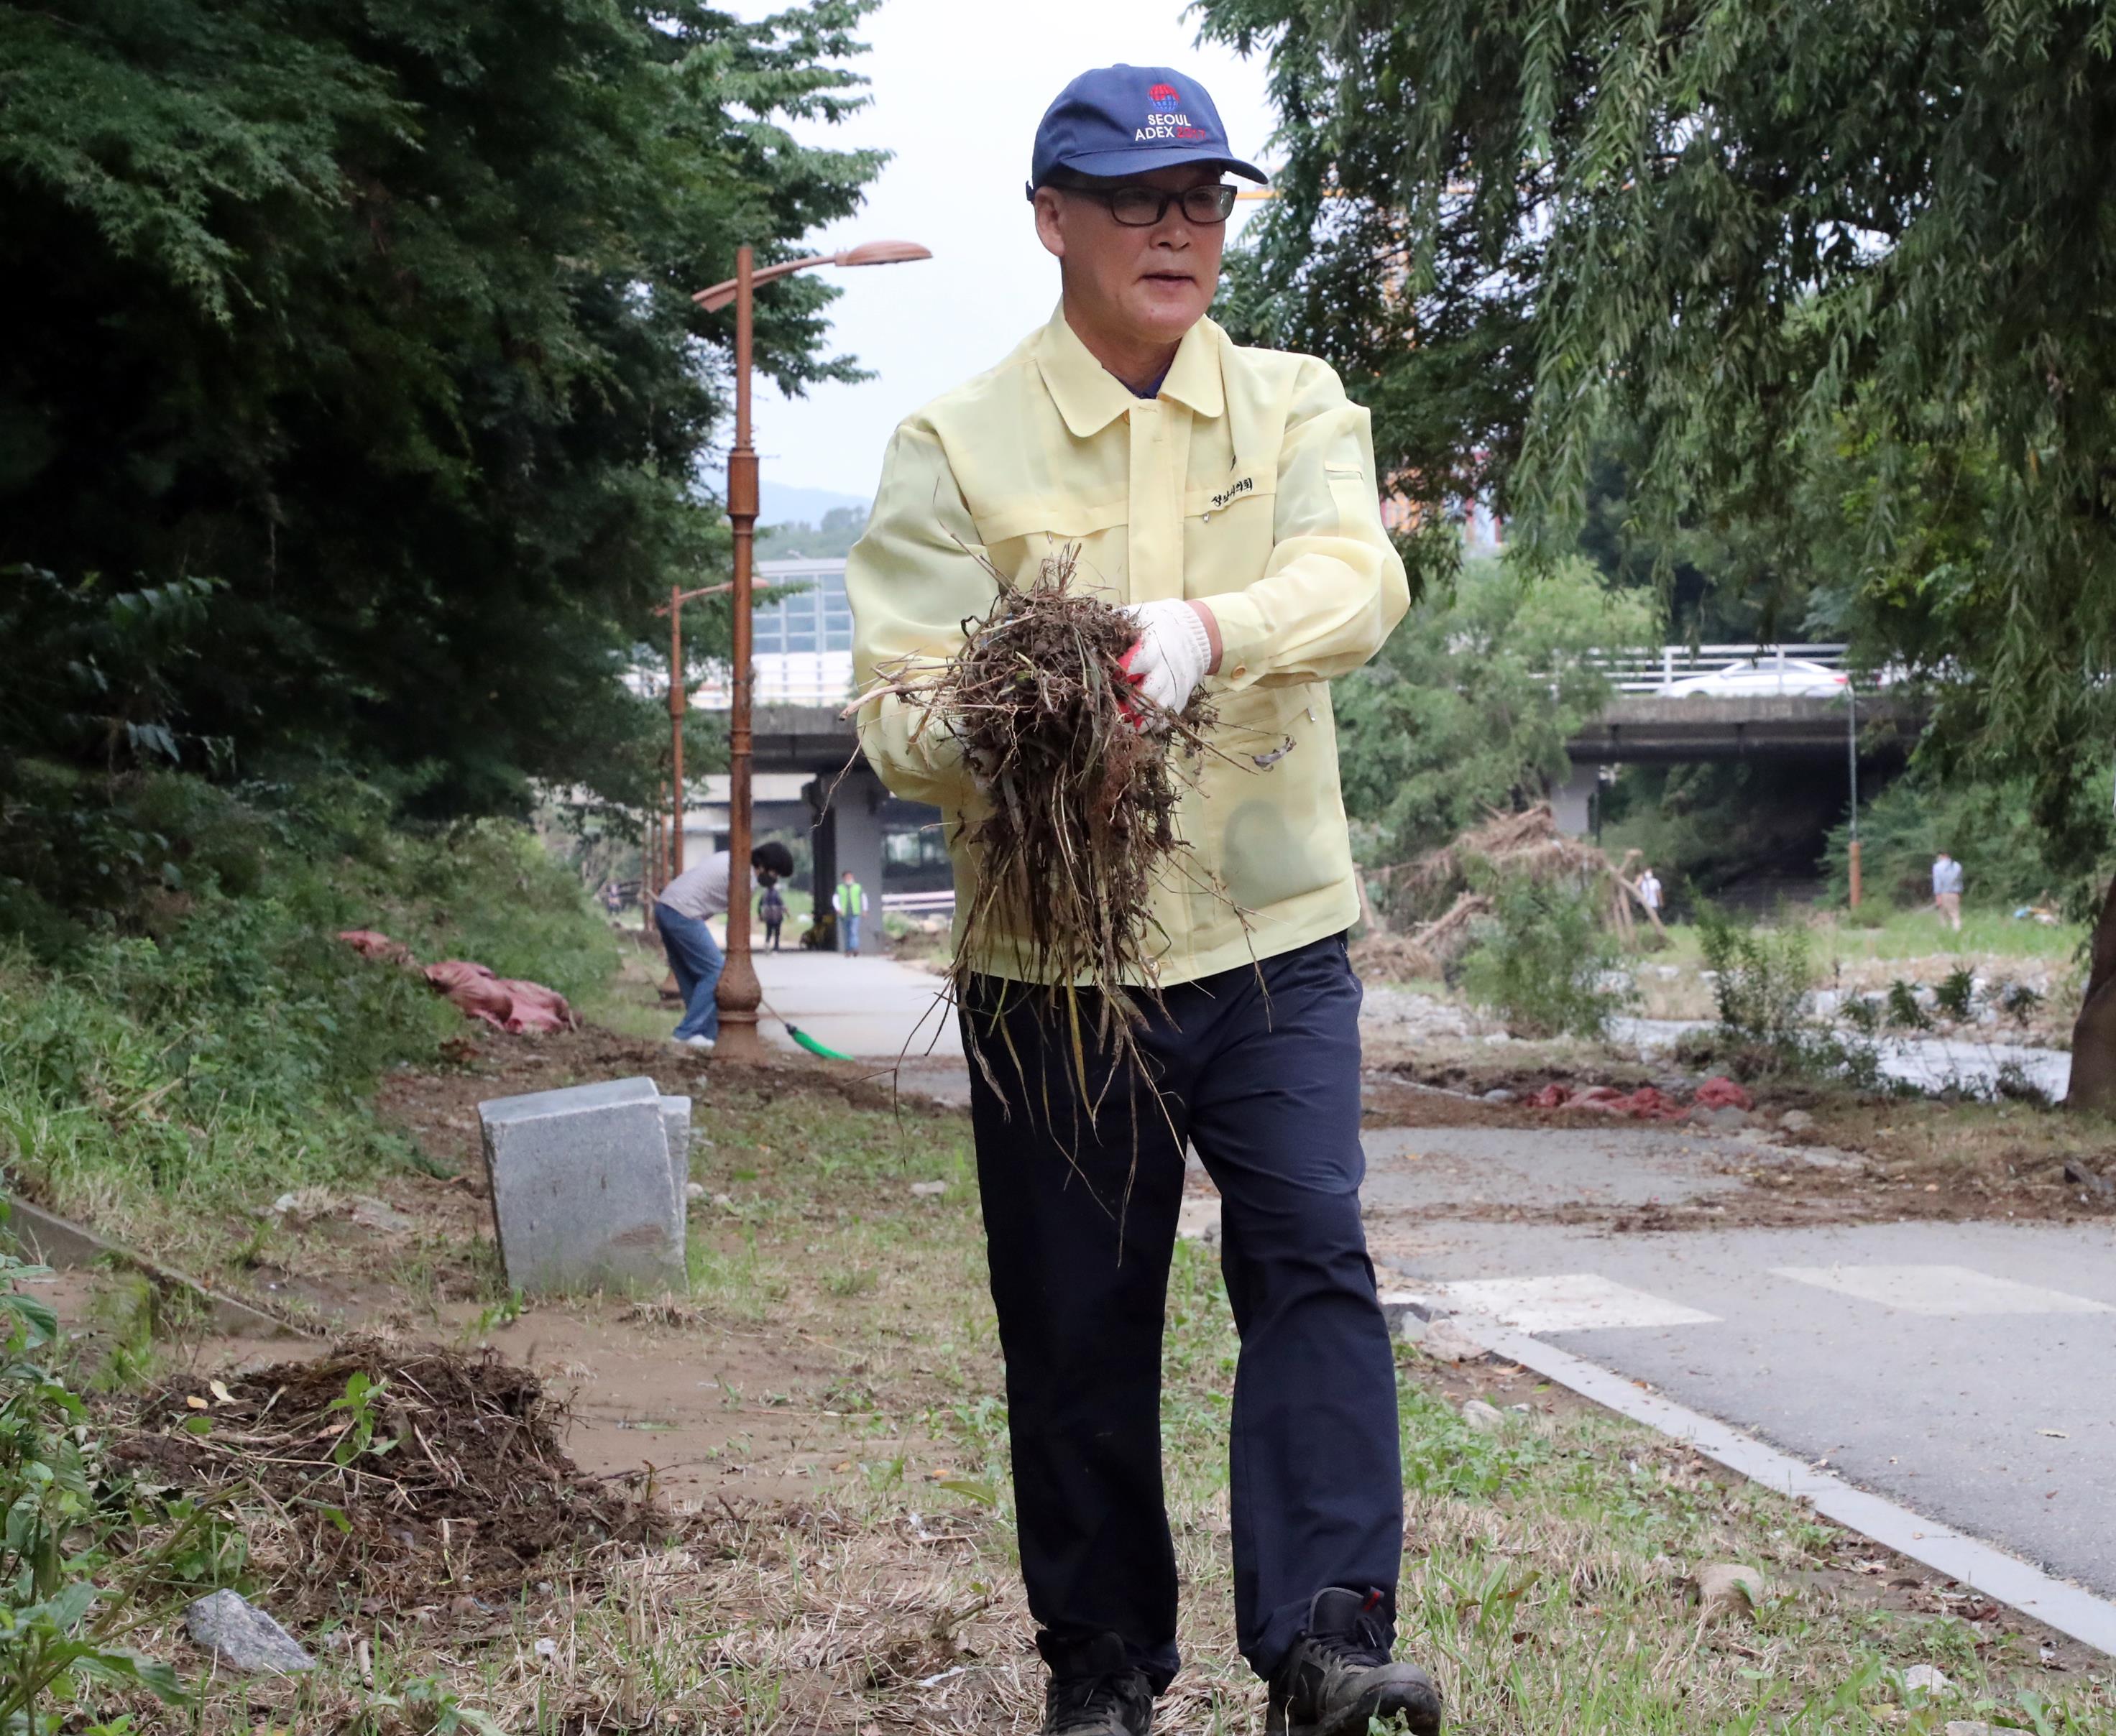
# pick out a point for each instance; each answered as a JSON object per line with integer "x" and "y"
{"x": 1546, "y": 1577}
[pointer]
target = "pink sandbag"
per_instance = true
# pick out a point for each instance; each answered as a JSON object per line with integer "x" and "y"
{"x": 1645, "y": 1104}
{"x": 536, "y": 1007}
{"x": 1723, "y": 1094}
{"x": 474, "y": 989}
{"x": 370, "y": 944}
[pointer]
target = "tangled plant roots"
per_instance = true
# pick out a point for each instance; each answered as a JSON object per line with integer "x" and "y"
{"x": 1081, "y": 774}
{"x": 373, "y": 1475}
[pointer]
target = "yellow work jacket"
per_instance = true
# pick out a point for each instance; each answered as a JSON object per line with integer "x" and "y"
{"x": 1247, "y": 483}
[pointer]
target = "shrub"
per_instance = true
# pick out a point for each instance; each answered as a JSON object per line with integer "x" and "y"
{"x": 1761, "y": 982}
{"x": 1543, "y": 962}
{"x": 73, "y": 1565}
{"x": 1760, "y": 979}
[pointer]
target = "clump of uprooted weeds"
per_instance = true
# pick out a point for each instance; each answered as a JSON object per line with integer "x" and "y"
{"x": 1081, "y": 776}
{"x": 382, "y": 1477}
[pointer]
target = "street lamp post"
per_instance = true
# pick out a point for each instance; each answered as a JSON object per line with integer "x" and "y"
{"x": 1851, "y": 764}
{"x": 739, "y": 992}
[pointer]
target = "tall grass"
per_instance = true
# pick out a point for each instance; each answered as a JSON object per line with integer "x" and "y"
{"x": 195, "y": 1056}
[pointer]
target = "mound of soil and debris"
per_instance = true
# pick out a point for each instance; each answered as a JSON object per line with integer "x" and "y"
{"x": 383, "y": 1478}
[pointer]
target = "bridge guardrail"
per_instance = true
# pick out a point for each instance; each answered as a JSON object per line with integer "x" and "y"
{"x": 1647, "y": 672}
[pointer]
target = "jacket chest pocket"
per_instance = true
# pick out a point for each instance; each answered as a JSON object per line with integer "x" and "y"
{"x": 1019, "y": 536}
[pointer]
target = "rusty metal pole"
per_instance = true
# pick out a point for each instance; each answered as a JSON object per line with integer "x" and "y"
{"x": 1852, "y": 760}
{"x": 739, "y": 992}
{"x": 676, "y": 727}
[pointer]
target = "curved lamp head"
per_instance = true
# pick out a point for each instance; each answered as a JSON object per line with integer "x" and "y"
{"x": 882, "y": 253}
{"x": 867, "y": 253}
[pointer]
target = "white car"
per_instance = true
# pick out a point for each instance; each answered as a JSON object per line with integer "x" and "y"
{"x": 1756, "y": 678}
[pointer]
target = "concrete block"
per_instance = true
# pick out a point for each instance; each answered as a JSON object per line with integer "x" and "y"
{"x": 583, "y": 1194}
{"x": 676, "y": 1126}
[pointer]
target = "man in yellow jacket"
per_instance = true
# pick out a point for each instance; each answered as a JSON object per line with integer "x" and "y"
{"x": 1226, "y": 497}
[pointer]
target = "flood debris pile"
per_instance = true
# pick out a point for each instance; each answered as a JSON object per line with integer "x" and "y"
{"x": 1432, "y": 904}
{"x": 382, "y": 1479}
{"x": 1080, "y": 777}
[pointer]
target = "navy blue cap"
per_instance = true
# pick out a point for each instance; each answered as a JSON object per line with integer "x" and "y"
{"x": 1118, "y": 120}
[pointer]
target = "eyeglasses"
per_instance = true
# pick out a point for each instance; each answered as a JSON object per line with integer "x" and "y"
{"x": 1142, "y": 207}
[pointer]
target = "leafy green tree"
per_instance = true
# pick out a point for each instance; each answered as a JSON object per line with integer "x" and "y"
{"x": 1755, "y": 234}
{"x": 378, "y": 317}
{"x": 1469, "y": 706}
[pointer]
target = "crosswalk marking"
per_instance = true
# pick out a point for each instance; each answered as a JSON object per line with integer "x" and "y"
{"x": 1940, "y": 1290}
{"x": 1576, "y": 1302}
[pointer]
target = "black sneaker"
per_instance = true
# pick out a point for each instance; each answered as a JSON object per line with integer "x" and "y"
{"x": 1338, "y": 1675}
{"x": 1094, "y": 1689}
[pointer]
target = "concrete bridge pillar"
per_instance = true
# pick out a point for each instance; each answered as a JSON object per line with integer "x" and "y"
{"x": 848, "y": 832}
{"x": 1572, "y": 803}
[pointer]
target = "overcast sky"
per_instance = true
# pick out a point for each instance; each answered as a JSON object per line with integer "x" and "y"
{"x": 958, "y": 87}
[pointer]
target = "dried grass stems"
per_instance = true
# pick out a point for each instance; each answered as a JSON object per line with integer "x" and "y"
{"x": 1082, "y": 777}
{"x": 379, "y": 1477}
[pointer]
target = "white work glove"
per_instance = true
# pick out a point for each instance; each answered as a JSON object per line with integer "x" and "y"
{"x": 1173, "y": 652}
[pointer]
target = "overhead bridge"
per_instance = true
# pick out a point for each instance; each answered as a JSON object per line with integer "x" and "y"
{"x": 1743, "y": 713}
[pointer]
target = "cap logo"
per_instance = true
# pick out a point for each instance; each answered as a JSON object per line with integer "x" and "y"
{"x": 1165, "y": 119}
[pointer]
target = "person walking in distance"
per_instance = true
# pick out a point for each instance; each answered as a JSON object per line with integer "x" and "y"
{"x": 1650, "y": 890}
{"x": 1226, "y": 497}
{"x": 849, "y": 902}
{"x": 772, "y": 906}
{"x": 1947, "y": 890}
{"x": 694, "y": 956}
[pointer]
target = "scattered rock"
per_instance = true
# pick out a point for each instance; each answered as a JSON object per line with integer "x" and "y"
{"x": 694, "y": 1190}
{"x": 1498, "y": 1094}
{"x": 724, "y": 1199}
{"x": 2080, "y": 1176}
{"x": 1795, "y": 1121}
{"x": 1722, "y": 1119}
{"x": 1198, "y": 1220}
{"x": 373, "y": 1213}
{"x": 1925, "y": 1679}
{"x": 242, "y": 1636}
{"x": 1445, "y": 1341}
{"x": 1970, "y": 1726}
{"x": 1727, "y": 1590}
{"x": 1486, "y": 1419}
{"x": 928, "y": 1190}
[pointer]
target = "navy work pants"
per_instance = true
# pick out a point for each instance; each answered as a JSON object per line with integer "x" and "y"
{"x": 1259, "y": 1069}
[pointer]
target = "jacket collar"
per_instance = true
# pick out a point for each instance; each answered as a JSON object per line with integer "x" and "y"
{"x": 1090, "y": 397}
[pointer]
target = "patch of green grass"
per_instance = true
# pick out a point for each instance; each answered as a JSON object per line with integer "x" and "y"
{"x": 166, "y": 1081}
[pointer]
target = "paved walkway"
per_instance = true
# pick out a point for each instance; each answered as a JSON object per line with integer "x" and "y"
{"x": 873, "y": 1009}
{"x": 1966, "y": 1371}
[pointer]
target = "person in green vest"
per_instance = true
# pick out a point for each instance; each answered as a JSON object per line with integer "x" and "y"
{"x": 849, "y": 901}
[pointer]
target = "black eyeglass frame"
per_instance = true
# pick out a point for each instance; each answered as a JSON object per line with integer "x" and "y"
{"x": 1223, "y": 201}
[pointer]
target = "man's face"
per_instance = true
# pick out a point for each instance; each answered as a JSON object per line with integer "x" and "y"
{"x": 1149, "y": 285}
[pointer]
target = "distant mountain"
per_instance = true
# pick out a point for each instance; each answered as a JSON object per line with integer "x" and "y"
{"x": 781, "y": 504}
